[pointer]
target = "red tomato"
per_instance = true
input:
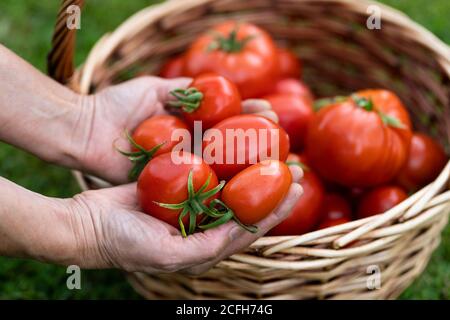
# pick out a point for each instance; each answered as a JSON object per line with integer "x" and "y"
{"x": 241, "y": 52}
{"x": 164, "y": 180}
{"x": 294, "y": 112}
{"x": 306, "y": 213}
{"x": 237, "y": 142}
{"x": 151, "y": 138}
{"x": 362, "y": 141}
{"x": 331, "y": 223}
{"x": 426, "y": 160}
{"x": 380, "y": 200}
{"x": 209, "y": 99}
{"x": 156, "y": 130}
{"x": 173, "y": 68}
{"x": 335, "y": 210}
{"x": 292, "y": 85}
{"x": 288, "y": 64}
{"x": 252, "y": 195}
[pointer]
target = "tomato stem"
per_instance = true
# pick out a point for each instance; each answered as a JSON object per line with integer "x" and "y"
{"x": 364, "y": 103}
{"x": 188, "y": 100}
{"x": 367, "y": 104}
{"x": 139, "y": 158}
{"x": 230, "y": 43}
{"x": 195, "y": 207}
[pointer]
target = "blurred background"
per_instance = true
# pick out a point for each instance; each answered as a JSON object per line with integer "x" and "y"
{"x": 26, "y": 28}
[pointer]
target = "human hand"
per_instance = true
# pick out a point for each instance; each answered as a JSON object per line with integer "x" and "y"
{"x": 105, "y": 116}
{"x": 111, "y": 232}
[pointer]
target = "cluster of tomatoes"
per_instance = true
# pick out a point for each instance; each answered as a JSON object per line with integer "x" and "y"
{"x": 359, "y": 154}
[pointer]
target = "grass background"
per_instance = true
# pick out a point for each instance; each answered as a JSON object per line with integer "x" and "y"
{"x": 26, "y": 28}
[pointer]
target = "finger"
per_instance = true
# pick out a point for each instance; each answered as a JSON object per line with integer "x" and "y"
{"x": 255, "y": 105}
{"x": 296, "y": 172}
{"x": 165, "y": 86}
{"x": 269, "y": 114}
{"x": 241, "y": 239}
{"x": 201, "y": 247}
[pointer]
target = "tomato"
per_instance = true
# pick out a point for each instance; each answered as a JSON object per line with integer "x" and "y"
{"x": 152, "y": 138}
{"x": 291, "y": 85}
{"x": 240, "y": 141}
{"x": 209, "y": 99}
{"x": 173, "y": 68}
{"x": 156, "y": 130}
{"x": 253, "y": 195}
{"x": 380, "y": 200}
{"x": 294, "y": 113}
{"x": 306, "y": 213}
{"x": 335, "y": 210}
{"x": 426, "y": 159}
{"x": 241, "y": 52}
{"x": 362, "y": 141}
{"x": 288, "y": 64}
{"x": 165, "y": 181}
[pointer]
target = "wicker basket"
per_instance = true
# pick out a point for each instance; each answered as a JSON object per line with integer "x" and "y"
{"x": 340, "y": 55}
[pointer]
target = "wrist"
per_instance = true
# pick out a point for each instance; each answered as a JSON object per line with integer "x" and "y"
{"x": 35, "y": 226}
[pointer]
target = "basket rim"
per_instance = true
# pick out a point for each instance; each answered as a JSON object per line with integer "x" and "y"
{"x": 133, "y": 24}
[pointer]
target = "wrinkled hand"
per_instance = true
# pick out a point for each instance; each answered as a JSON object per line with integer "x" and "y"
{"x": 111, "y": 232}
{"x": 106, "y": 115}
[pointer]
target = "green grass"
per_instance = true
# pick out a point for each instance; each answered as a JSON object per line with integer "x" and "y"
{"x": 26, "y": 28}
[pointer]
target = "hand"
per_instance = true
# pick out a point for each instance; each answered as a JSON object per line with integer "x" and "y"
{"x": 105, "y": 116}
{"x": 111, "y": 232}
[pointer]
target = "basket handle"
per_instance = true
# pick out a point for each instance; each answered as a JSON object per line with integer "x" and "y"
{"x": 60, "y": 60}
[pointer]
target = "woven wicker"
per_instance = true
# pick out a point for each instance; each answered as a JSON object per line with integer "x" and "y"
{"x": 340, "y": 55}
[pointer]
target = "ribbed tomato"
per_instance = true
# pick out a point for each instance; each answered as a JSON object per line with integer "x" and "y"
{"x": 240, "y": 141}
{"x": 295, "y": 113}
{"x": 239, "y": 51}
{"x": 426, "y": 159}
{"x": 306, "y": 213}
{"x": 362, "y": 141}
{"x": 254, "y": 193}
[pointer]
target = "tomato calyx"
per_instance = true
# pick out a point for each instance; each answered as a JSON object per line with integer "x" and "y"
{"x": 229, "y": 44}
{"x": 224, "y": 214}
{"x": 194, "y": 206}
{"x": 188, "y": 100}
{"x": 367, "y": 104}
{"x": 139, "y": 158}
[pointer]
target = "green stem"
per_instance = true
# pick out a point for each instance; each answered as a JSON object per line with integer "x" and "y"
{"x": 188, "y": 100}
{"x": 229, "y": 43}
{"x": 139, "y": 158}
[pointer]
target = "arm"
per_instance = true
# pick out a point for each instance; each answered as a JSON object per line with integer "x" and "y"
{"x": 78, "y": 131}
